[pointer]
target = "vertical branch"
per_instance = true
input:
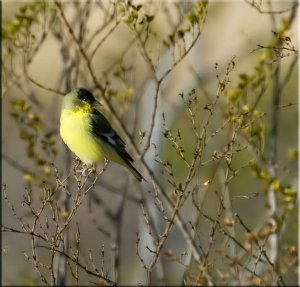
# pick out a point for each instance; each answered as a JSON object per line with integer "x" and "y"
{"x": 273, "y": 136}
{"x": 117, "y": 242}
{"x": 274, "y": 118}
{"x": 271, "y": 197}
{"x": 61, "y": 260}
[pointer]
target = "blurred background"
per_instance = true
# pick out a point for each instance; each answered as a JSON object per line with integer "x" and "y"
{"x": 41, "y": 61}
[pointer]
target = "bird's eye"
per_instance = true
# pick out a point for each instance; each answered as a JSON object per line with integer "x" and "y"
{"x": 85, "y": 99}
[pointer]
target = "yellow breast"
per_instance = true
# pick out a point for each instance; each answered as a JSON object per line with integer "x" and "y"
{"x": 75, "y": 131}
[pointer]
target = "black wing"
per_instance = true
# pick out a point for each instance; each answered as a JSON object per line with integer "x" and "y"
{"x": 102, "y": 129}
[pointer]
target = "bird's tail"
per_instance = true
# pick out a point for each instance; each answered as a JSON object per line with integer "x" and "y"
{"x": 134, "y": 171}
{"x": 125, "y": 159}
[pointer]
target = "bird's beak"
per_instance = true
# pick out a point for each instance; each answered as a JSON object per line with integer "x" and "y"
{"x": 98, "y": 104}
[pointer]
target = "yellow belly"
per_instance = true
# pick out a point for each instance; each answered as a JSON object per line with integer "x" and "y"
{"x": 75, "y": 131}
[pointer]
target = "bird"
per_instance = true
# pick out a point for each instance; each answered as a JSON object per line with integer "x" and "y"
{"x": 89, "y": 135}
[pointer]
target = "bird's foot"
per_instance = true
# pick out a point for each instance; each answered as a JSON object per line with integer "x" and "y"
{"x": 86, "y": 170}
{"x": 91, "y": 170}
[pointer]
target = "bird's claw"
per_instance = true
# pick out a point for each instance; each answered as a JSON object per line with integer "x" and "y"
{"x": 85, "y": 171}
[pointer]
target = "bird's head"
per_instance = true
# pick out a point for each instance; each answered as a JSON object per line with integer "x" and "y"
{"x": 79, "y": 98}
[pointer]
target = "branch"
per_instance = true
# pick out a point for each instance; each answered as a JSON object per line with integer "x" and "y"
{"x": 98, "y": 275}
{"x": 178, "y": 220}
{"x": 258, "y": 8}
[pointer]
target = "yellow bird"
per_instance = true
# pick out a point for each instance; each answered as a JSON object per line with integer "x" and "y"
{"x": 88, "y": 133}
